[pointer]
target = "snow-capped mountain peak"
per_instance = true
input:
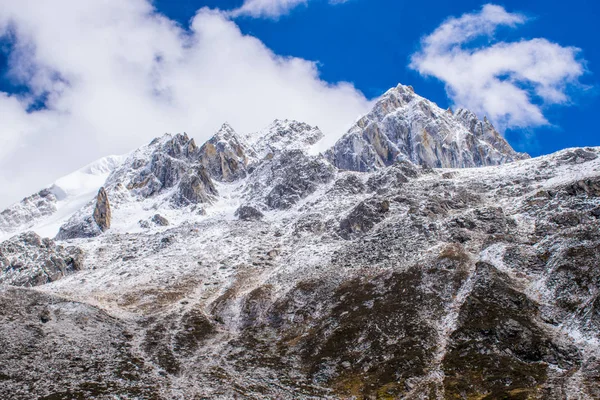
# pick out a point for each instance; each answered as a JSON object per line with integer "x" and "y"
{"x": 404, "y": 125}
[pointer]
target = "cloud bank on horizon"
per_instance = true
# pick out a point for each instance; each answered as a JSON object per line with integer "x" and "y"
{"x": 105, "y": 76}
{"x": 509, "y": 82}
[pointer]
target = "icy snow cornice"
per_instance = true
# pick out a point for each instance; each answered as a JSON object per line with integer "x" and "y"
{"x": 404, "y": 125}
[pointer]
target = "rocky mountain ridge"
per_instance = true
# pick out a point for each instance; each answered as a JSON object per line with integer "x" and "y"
{"x": 401, "y": 126}
{"x": 249, "y": 267}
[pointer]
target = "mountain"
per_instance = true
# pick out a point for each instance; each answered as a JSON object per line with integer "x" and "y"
{"x": 251, "y": 267}
{"x": 406, "y": 126}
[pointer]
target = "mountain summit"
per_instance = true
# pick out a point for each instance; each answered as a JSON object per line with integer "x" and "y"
{"x": 405, "y": 126}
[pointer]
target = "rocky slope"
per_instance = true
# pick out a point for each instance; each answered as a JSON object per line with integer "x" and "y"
{"x": 406, "y": 126}
{"x": 250, "y": 268}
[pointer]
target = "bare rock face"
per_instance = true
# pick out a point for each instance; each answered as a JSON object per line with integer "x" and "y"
{"x": 102, "y": 213}
{"x": 80, "y": 226}
{"x": 195, "y": 187}
{"x": 349, "y": 184}
{"x": 405, "y": 126}
{"x": 84, "y": 225}
{"x": 364, "y": 217}
{"x": 225, "y": 156}
{"x": 161, "y": 170}
{"x": 172, "y": 161}
{"x": 160, "y": 220}
{"x": 28, "y": 260}
{"x": 287, "y": 178}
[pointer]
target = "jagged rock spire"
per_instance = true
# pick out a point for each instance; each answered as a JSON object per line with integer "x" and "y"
{"x": 225, "y": 155}
{"x": 102, "y": 213}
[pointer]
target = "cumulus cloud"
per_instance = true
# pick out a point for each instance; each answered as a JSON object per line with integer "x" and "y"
{"x": 114, "y": 74}
{"x": 271, "y": 8}
{"x": 510, "y": 82}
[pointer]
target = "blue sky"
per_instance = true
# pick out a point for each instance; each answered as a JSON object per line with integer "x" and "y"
{"x": 80, "y": 80}
{"x": 370, "y": 43}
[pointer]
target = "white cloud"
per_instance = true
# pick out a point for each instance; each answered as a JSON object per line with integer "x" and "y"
{"x": 271, "y": 8}
{"x": 116, "y": 74}
{"x": 510, "y": 82}
{"x": 266, "y": 8}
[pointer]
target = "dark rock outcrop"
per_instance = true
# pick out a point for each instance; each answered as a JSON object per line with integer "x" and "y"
{"x": 248, "y": 213}
{"x": 29, "y": 260}
{"x": 364, "y": 217}
{"x": 88, "y": 226}
{"x": 578, "y": 156}
{"x": 590, "y": 187}
{"x": 195, "y": 187}
{"x": 160, "y": 220}
{"x": 350, "y": 184}
{"x": 79, "y": 227}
